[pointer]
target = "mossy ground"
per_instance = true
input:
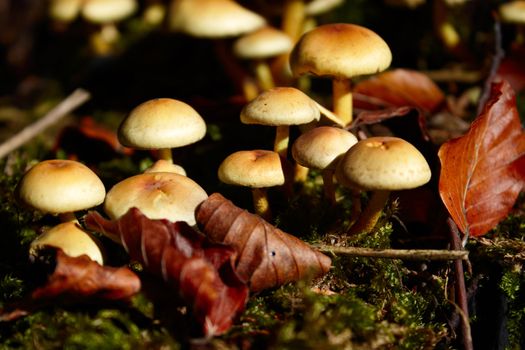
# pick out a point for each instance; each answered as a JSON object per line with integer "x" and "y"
{"x": 373, "y": 304}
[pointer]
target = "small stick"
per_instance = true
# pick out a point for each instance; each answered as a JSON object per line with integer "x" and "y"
{"x": 461, "y": 291}
{"x": 404, "y": 254}
{"x": 77, "y": 98}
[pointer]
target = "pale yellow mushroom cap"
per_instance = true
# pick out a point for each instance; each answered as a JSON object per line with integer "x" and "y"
{"x": 255, "y": 169}
{"x": 64, "y": 10}
{"x": 513, "y": 12}
{"x": 280, "y": 106}
{"x": 340, "y": 50}
{"x": 263, "y": 43}
{"x": 321, "y": 147}
{"x": 158, "y": 196}
{"x": 108, "y": 11}
{"x": 318, "y": 7}
{"x": 161, "y": 123}
{"x": 383, "y": 163}
{"x": 213, "y": 18}
{"x": 71, "y": 238}
{"x": 60, "y": 186}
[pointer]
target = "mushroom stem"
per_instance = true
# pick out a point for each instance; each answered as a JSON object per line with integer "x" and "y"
{"x": 328, "y": 185}
{"x": 371, "y": 214}
{"x": 66, "y": 217}
{"x": 264, "y": 75}
{"x": 356, "y": 205}
{"x": 342, "y": 99}
{"x": 282, "y": 136}
{"x": 293, "y": 18}
{"x": 165, "y": 154}
{"x": 261, "y": 204}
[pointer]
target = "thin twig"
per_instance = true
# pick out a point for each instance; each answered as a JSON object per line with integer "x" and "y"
{"x": 404, "y": 254}
{"x": 77, "y": 98}
{"x": 494, "y": 66}
{"x": 461, "y": 291}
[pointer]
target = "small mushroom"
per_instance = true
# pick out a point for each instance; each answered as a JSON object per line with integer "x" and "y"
{"x": 257, "y": 169}
{"x": 321, "y": 148}
{"x": 514, "y": 12}
{"x": 340, "y": 51}
{"x": 161, "y": 124}
{"x": 259, "y": 46}
{"x": 158, "y": 196}
{"x": 281, "y": 107}
{"x": 381, "y": 165}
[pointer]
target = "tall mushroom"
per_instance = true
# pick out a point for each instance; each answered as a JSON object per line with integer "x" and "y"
{"x": 259, "y": 46}
{"x": 321, "y": 148}
{"x": 381, "y": 165}
{"x": 257, "y": 169}
{"x": 281, "y": 107}
{"x": 340, "y": 51}
{"x": 162, "y": 124}
{"x": 62, "y": 187}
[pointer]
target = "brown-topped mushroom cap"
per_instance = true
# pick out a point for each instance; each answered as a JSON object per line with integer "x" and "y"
{"x": 340, "y": 50}
{"x": 383, "y": 163}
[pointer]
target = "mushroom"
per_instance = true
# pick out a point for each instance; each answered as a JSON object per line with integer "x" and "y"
{"x": 161, "y": 124}
{"x": 340, "y": 51}
{"x": 61, "y": 187}
{"x": 158, "y": 196}
{"x": 259, "y": 46}
{"x": 321, "y": 148}
{"x": 281, "y": 107}
{"x": 64, "y": 10}
{"x": 514, "y": 12}
{"x": 71, "y": 238}
{"x": 218, "y": 20}
{"x": 381, "y": 165}
{"x": 106, "y": 13}
{"x": 257, "y": 169}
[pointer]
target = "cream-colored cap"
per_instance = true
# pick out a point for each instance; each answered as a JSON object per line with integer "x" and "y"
{"x": 383, "y": 163}
{"x": 280, "y": 106}
{"x": 321, "y": 147}
{"x": 64, "y": 10}
{"x": 60, "y": 186}
{"x": 158, "y": 196}
{"x": 71, "y": 238}
{"x": 255, "y": 169}
{"x": 107, "y": 11}
{"x": 213, "y": 18}
{"x": 165, "y": 166}
{"x": 161, "y": 123}
{"x": 340, "y": 50}
{"x": 263, "y": 43}
{"x": 513, "y": 11}
{"x": 318, "y": 7}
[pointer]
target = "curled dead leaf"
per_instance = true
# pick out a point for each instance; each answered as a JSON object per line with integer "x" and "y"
{"x": 267, "y": 257}
{"x": 201, "y": 271}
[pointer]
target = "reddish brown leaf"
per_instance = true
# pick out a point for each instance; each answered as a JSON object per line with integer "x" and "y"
{"x": 80, "y": 278}
{"x": 268, "y": 257}
{"x": 201, "y": 271}
{"x": 398, "y": 88}
{"x": 483, "y": 172}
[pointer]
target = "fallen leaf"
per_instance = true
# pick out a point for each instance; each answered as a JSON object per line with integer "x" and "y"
{"x": 398, "y": 88}
{"x": 80, "y": 278}
{"x": 483, "y": 172}
{"x": 202, "y": 272}
{"x": 267, "y": 257}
